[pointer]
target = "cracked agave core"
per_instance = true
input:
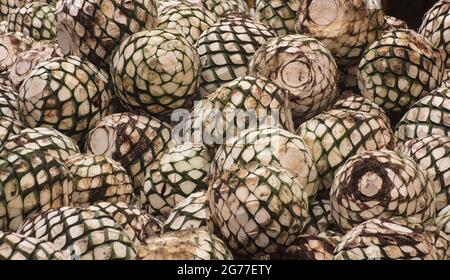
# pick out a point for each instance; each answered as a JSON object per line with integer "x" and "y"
{"x": 24, "y": 64}
{"x": 381, "y": 184}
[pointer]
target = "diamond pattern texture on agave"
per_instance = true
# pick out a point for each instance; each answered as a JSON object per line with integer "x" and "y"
{"x": 257, "y": 209}
{"x": 432, "y": 154}
{"x": 179, "y": 172}
{"x": 435, "y": 27}
{"x": 191, "y": 20}
{"x": 278, "y": 15}
{"x": 31, "y": 181}
{"x": 92, "y": 29}
{"x": 84, "y": 234}
{"x": 156, "y": 71}
{"x": 428, "y": 116}
{"x": 269, "y": 147}
{"x": 190, "y": 213}
{"x": 226, "y": 49}
{"x": 98, "y": 178}
{"x": 336, "y": 135}
{"x": 18, "y": 247}
{"x": 34, "y": 19}
{"x": 135, "y": 223}
{"x": 66, "y": 93}
{"x": 44, "y": 139}
{"x": 399, "y": 69}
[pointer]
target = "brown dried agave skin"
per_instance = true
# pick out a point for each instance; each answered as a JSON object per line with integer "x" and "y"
{"x": 65, "y": 93}
{"x": 432, "y": 153}
{"x": 156, "y": 71}
{"x": 257, "y": 209}
{"x": 336, "y": 135}
{"x": 190, "y": 213}
{"x": 31, "y": 181}
{"x": 191, "y": 244}
{"x": 226, "y": 49}
{"x": 228, "y": 106}
{"x": 24, "y": 64}
{"x": 435, "y": 28}
{"x": 84, "y": 234}
{"x": 133, "y": 140}
{"x": 278, "y": 15}
{"x": 392, "y": 23}
{"x": 92, "y": 29}
{"x": 307, "y": 247}
{"x": 44, "y": 139}
{"x": 98, "y": 178}
{"x": 18, "y": 247}
{"x": 269, "y": 147}
{"x": 191, "y": 20}
{"x": 333, "y": 23}
{"x": 399, "y": 69}
{"x": 35, "y": 19}
{"x": 381, "y": 184}
{"x": 304, "y": 68}
{"x": 428, "y": 116}
{"x": 134, "y": 222}
{"x": 179, "y": 172}
{"x": 384, "y": 239}
{"x": 12, "y": 44}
